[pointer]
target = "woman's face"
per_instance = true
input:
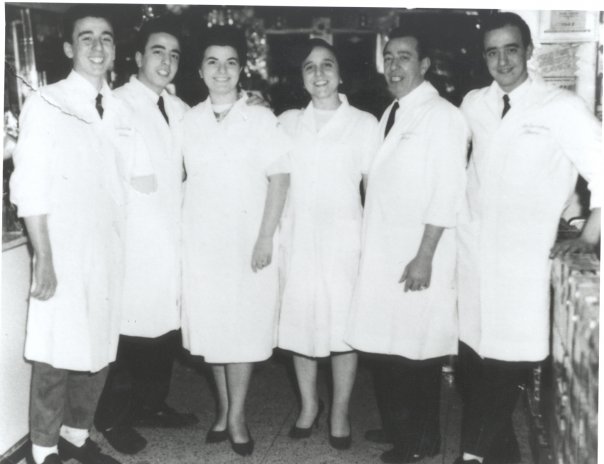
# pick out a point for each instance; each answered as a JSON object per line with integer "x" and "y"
{"x": 321, "y": 74}
{"x": 220, "y": 69}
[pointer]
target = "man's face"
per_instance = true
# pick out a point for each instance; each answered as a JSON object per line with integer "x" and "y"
{"x": 506, "y": 57}
{"x": 158, "y": 64}
{"x": 92, "y": 48}
{"x": 403, "y": 69}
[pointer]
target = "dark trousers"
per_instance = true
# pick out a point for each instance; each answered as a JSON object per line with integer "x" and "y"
{"x": 489, "y": 390}
{"x": 138, "y": 380}
{"x": 61, "y": 397}
{"x": 408, "y": 398}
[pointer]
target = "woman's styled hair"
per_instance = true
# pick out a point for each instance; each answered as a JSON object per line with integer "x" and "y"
{"x": 228, "y": 36}
{"x": 307, "y": 48}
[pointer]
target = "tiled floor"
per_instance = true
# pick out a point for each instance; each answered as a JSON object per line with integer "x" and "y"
{"x": 272, "y": 408}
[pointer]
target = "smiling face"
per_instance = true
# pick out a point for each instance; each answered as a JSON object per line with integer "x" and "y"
{"x": 158, "y": 64}
{"x": 321, "y": 75}
{"x": 92, "y": 49}
{"x": 403, "y": 68}
{"x": 220, "y": 70}
{"x": 506, "y": 57}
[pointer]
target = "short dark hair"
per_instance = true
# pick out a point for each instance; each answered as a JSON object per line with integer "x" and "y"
{"x": 499, "y": 20}
{"x": 167, "y": 24}
{"x": 81, "y": 11}
{"x": 409, "y": 30}
{"x": 307, "y": 48}
{"x": 228, "y": 36}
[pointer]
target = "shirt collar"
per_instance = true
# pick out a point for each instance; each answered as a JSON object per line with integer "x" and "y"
{"x": 423, "y": 90}
{"x": 516, "y": 95}
{"x": 85, "y": 88}
{"x": 146, "y": 90}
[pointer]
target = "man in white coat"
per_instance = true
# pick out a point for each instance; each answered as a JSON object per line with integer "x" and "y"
{"x": 139, "y": 380}
{"x": 72, "y": 162}
{"x": 403, "y": 307}
{"x": 529, "y": 141}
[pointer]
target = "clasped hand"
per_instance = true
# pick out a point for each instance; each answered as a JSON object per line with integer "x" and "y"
{"x": 417, "y": 274}
{"x": 263, "y": 253}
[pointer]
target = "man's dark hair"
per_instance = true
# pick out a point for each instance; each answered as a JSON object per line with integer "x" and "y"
{"x": 166, "y": 24}
{"x": 228, "y": 36}
{"x": 415, "y": 32}
{"x": 81, "y": 11}
{"x": 499, "y": 20}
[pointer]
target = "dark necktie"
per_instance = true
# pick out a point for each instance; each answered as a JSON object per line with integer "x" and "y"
{"x": 99, "y": 105}
{"x": 391, "y": 116}
{"x": 160, "y": 104}
{"x": 506, "y": 105}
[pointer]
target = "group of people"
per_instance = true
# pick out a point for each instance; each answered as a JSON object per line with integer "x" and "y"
{"x": 248, "y": 232}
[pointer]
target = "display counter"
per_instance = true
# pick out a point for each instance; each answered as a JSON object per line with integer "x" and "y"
{"x": 16, "y": 372}
{"x": 562, "y": 399}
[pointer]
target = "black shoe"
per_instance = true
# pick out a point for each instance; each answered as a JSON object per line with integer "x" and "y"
{"x": 340, "y": 443}
{"x": 50, "y": 459}
{"x": 217, "y": 436}
{"x": 125, "y": 439}
{"x": 396, "y": 456}
{"x": 164, "y": 417}
{"x": 378, "y": 436}
{"x": 304, "y": 432}
{"x": 88, "y": 453}
{"x": 243, "y": 449}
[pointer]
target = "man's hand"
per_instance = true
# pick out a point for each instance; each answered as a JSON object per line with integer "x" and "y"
{"x": 255, "y": 98}
{"x": 263, "y": 253}
{"x": 573, "y": 245}
{"x": 44, "y": 280}
{"x": 417, "y": 274}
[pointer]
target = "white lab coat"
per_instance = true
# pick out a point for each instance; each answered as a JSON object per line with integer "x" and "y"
{"x": 321, "y": 226}
{"x": 229, "y": 311}
{"x": 151, "y": 302}
{"x": 73, "y": 167}
{"x": 522, "y": 172}
{"x": 417, "y": 178}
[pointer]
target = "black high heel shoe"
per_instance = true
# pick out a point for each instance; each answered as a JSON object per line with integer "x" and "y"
{"x": 243, "y": 449}
{"x": 341, "y": 443}
{"x": 304, "y": 432}
{"x": 217, "y": 436}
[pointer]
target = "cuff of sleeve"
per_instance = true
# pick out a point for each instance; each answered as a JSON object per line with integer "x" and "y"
{"x": 25, "y": 209}
{"x": 440, "y": 220}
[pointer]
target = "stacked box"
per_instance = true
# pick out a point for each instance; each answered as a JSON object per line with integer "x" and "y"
{"x": 575, "y": 343}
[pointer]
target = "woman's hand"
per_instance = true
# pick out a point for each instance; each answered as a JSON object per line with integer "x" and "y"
{"x": 263, "y": 253}
{"x": 417, "y": 274}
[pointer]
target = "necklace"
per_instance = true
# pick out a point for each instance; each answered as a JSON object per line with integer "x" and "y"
{"x": 220, "y": 115}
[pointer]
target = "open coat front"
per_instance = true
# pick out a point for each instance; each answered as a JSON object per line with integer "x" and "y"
{"x": 521, "y": 175}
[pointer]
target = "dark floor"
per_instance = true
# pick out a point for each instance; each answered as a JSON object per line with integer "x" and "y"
{"x": 271, "y": 410}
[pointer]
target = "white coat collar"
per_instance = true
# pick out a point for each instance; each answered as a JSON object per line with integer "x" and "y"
{"x": 144, "y": 90}
{"x": 422, "y": 93}
{"x": 238, "y": 111}
{"x": 77, "y": 97}
{"x": 309, "y": 117}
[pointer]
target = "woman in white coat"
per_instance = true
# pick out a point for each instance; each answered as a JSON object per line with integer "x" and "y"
{"x": 333, "y": 145}
{"x": 234, "y": 196}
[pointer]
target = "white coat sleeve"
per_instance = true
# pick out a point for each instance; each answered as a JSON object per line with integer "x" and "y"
{"x": 445, "y": 170}
{"x": 32, "y": 179}
{"x": 580, "y": 135}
